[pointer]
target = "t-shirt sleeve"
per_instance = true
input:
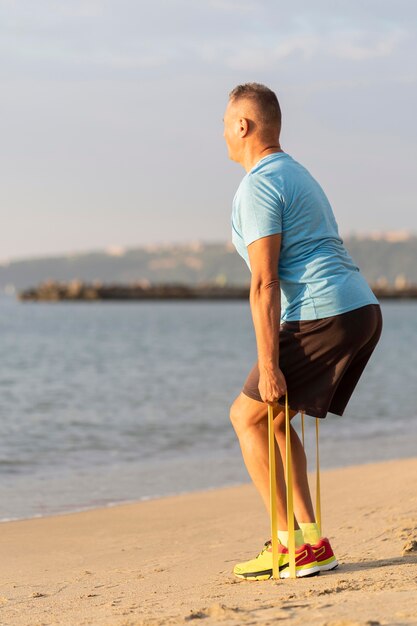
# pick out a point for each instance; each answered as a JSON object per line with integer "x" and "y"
{"x": 259, "y": 208}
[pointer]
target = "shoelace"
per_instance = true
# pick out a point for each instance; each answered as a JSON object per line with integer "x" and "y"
{"x": 266, "y": 546}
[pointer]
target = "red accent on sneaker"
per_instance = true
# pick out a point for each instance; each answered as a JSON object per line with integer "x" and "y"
{"x": 305, "y": 562}
{"x": 324, "y": 554}
{"x": 303, "y": 554}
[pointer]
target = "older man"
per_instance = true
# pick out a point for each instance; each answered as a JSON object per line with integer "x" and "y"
{"x": 316, "y": 320}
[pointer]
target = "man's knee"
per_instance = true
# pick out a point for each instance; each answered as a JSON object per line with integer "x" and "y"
{"x": 245, "y": 412}
{"x": 234, "y": 412}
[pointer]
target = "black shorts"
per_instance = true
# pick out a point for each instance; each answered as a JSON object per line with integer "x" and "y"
{"x": 322, "y": 360}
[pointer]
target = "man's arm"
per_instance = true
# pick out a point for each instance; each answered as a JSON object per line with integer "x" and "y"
{"x": 265, "y": 303}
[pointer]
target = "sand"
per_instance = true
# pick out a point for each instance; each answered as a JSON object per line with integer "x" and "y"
{"x": 169, "y": 561}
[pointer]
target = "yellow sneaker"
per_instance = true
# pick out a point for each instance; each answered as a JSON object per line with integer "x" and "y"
{"x": 260, "y": 568}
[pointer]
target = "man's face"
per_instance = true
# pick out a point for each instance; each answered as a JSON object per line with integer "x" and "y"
{"x": 230, "y": 135}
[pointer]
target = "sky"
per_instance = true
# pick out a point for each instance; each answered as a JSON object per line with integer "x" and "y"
{"x": 111, "y": 115}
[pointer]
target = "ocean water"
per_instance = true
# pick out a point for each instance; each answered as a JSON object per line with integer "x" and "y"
{"x": 102, "y": 403}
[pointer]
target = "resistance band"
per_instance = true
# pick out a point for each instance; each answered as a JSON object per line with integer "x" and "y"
{"x": 290, "y": 500}
{"x": 273, "y": 493}
{"x": 318, "y": 498}
{"x": 302, "y": 426}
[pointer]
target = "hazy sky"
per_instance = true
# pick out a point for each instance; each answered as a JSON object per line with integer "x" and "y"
{"x": 111, "y": 114}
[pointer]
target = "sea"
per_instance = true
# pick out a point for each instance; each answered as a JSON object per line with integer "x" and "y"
{"x": 110, "y": 402}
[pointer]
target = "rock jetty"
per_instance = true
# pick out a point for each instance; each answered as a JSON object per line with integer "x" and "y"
{"x": 74, "y": 290}
{"x": 78, "y": 290}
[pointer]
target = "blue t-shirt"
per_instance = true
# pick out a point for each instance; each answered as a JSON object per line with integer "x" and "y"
{"x": 317, "y": 275}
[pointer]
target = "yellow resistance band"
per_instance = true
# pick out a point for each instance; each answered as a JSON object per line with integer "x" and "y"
{"x": 273, "y": 493}
{"x": 290, "y": 501}
{"x": 318, "y": 498}
{"x": 302, "y": 426}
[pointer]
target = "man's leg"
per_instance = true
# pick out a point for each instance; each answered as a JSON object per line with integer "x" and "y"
{"x": 250, "y": 421}
{"x": 303, "y": 506}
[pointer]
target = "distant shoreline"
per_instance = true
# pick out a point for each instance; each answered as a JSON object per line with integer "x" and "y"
{"x": 53, "y": 291}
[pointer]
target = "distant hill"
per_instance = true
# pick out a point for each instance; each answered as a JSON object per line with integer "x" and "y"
{"x": 384, "y": 260}
{"x": 381, "y": 260}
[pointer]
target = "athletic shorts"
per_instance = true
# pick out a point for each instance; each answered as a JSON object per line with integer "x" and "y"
{"x": 322, "y": 360}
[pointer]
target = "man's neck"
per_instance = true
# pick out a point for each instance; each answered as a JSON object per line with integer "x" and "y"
{"x": 252, "y": 157}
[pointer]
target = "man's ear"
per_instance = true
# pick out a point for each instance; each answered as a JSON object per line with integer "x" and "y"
{"x": 243, "y": 127}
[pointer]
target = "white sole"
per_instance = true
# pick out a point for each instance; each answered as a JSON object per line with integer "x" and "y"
{"x": 328, "y": 566}
{"x": 309, "y": 571}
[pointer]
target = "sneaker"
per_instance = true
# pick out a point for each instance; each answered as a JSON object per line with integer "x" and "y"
{"x": 325, "y": 557}
{"x": 260, "y": 568}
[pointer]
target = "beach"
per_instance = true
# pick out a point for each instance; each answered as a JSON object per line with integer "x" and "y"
{"x": 169, "y": 560}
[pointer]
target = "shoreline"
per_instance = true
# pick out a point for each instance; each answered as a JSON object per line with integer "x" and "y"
{"x": 197, "y": 490}
{"x": 111, "y": 505}
{"x": 168, "y": 561}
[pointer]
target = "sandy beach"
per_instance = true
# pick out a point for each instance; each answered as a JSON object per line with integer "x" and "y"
{"x": 169, "y": 561}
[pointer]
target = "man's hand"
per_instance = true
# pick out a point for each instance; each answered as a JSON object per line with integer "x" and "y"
{"x": 272, "y": 385}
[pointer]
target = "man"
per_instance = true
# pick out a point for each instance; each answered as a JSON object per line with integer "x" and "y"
{"x": 284, "y": 228}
